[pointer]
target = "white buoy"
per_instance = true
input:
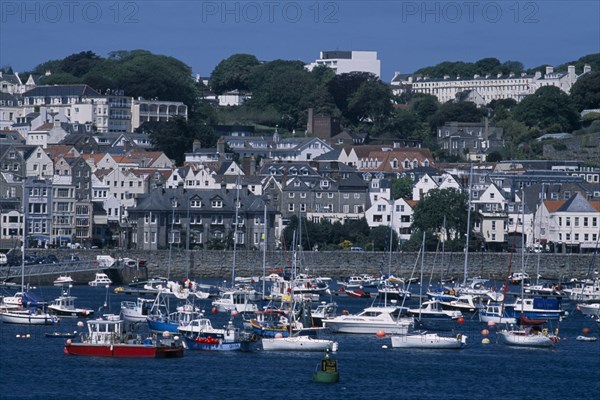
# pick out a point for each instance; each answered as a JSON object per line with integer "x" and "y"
{"x": 384, "y": 346}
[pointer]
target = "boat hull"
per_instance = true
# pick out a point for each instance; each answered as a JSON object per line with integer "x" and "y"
{"x": 72, "y": 313}
{"x": 27, "y": 319}
{"x": 298, "y": 343}
{"x": 364, "y": 327}
{"x": 522, "y": 339}
{"x": 428, "y": 341}
{"x": 123, "y": 350}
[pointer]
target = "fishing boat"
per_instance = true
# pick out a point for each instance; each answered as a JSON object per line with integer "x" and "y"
{"x": 426, "y": 340}
{"x": 161, "y": 319}
{"x": 298, "y": 343}
{"x": 235, "y": 300}
{"x": 108, "y": 337}
{"x": 136, "y": 311}
{"x": 231, "y": 339}
{"x": 202, "y": 328}
{"x": 465, "y": 303}
{"x": 323, "y": 311}
{"x": 326, "y": 371}
{"x": 535, "y": 308}
{"x": 495, "y": 313}
{"x": 101, "y": 279}
{"x": 64, "y": 306}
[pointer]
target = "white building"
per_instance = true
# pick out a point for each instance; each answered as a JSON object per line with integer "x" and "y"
{"x": 349, "y": 61}
{"x": 488, "y": 87}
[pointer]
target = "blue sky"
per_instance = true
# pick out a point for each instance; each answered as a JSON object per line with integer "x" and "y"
{"x": 406, "y": 34}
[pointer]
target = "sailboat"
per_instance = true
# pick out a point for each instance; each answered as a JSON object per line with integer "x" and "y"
{"x": 423, "y": 339}
{"x": 27, "y": 312}
{"x": 530, "y": 336}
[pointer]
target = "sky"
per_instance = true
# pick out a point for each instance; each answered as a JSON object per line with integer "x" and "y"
{"x": 407, "y": 35}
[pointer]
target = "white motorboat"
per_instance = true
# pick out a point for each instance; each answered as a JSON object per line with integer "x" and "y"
{"x": 464, "y": 303}
{"x": 425, "y": 340}
{"x": 32, "y": 316}
{"x": 201, "y": 327}
{"x": 389, "y": 319}
{"x": 64, "y": 305}
{"x": 588, "y": 291}
{"x": 432, "y": 310}
{"x": 493, "y": 313}
{"x": 298, "y": 343}
{"x": 526, "y": 338}
{"x": 136, "y": 311}
{"x": 235, "y": 300}
{"x": 63, "y": 280}
{"x": 589, "y": 308}
{"x": 101, "y": 279}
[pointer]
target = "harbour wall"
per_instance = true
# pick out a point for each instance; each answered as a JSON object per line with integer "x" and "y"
{"x": 338, "y": 264}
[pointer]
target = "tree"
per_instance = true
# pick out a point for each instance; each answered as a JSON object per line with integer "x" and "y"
{"x": 371, "y": 102}
{"x": 424, "y": 105}
{"x": 402, "y": 188}
{"x": 233, "y": 73}
{"x": 585, "y": 93}
{"x": 285, "y": 86}
{"x": 439, "y": 207}
{"x": 380, "y": 237}
{"x": 81, "y": 63}
{"x": 461, "y": 112}
{"x": 402, "y": 124}
{"x": 343, "y": 86}
{"x": 547, "y": 106}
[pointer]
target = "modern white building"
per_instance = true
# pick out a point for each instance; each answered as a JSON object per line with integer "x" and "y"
{"x": 349, "y": 61}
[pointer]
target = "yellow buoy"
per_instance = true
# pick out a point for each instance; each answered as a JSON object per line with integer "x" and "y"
{"x": 485, "y": 341}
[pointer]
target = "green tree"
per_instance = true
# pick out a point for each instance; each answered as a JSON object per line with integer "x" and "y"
{"x": 233, "y": 73}
{"x": 547, "y": 106}
{"x": 424, "y": 105}
{"x": 402, "y": 188}
{"x": 439, "y": 206}
{"x": 585, "y": 93}
{"x": 285, "y": 86}
{"x": 380, "y": 237}
{"x": 371, "y": 103}
{"x": 460, "y": 112}
{"x": 81, "y": 63}
{"x": 343, "y": 86}
{"x": 403, "y": 124}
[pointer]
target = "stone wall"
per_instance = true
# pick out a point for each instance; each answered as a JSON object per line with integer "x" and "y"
{"x": 218, "y": 264}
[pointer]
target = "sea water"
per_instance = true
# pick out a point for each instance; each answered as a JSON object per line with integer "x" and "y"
{"x": 36, "y": 368}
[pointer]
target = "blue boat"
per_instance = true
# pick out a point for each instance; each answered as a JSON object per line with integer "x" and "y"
{"x": 537, "y": 308}
{"x": 160, "y": 319}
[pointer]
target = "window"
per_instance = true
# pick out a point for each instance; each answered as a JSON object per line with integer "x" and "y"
{"x": 195, "y": 204}
{"x": 576, "y": 221}
{"x": 216, "y": 204}
{"x": 217, "y": 220}
{"x": 330, "y": 195}
{"x": 291, "y": 207}
{"x": 319, "y": 195}
{"x": 291, "y": 195}
{"x": 346, "y": 195}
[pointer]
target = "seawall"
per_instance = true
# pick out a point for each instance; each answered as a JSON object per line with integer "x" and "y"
{"x": 337, "y": 264}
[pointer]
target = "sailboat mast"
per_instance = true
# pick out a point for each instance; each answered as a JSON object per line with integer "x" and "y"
{"x": 23, "y": 235}
{"x": 264, "y": 250}
{"x": 237, "y": 202}
{"x": 468, "y": 225}
{"x": 522, "y": 249}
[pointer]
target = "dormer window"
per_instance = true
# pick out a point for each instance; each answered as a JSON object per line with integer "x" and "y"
{"x": 195, "y": 204}
{"x": 324, "y": 184}
{"x": 216, "y": 204}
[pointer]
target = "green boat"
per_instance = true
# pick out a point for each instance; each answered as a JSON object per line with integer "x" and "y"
{"x": 326, "y": 371}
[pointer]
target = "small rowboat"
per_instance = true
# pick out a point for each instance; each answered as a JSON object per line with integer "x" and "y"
{"x": 61, "y": 334}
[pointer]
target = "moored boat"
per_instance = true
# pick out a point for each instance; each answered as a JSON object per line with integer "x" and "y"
{"x": 425, "y": 340}
{"x": 390, "y": 319}
{"x": 527, "y": 337}
{"x": 298, "y": 343}
{"x": 64, "y": 306}
{"x": 108, "y": 337}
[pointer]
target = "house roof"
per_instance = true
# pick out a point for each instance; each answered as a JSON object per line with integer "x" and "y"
{"x": 62, "y": 91}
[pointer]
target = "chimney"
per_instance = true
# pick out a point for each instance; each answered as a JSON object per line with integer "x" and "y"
{"x": 586, "y": 69}
{"x": 310, "y": 121}
{"x": 196, "y": 146}
{"x": 221, "y": 146}
{"x": 475, "y": 76}
{"x": 499, "y": 75}
{"x": 549, "y": 70}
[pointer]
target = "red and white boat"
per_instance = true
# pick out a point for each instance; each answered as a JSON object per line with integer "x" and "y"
{"x": 108, "y": 337}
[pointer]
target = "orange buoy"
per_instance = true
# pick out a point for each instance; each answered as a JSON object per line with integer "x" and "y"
{"x": 234, "y": 313}
{"x": 460, "y": 320}
{"x": 485, "y": 332}
{"x": 585, "y": 330}
{"x": 491, "y": 324}
{"x": 380, "y": 334}
{"x": 214, "y": 310}
{"x": 344, "y": 312}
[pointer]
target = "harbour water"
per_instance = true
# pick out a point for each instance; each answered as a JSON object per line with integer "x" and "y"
{"x": 36, "y": 368}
